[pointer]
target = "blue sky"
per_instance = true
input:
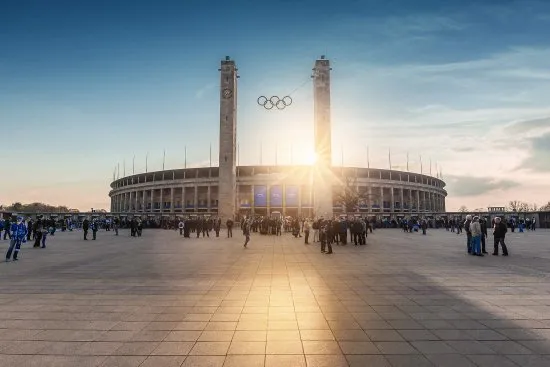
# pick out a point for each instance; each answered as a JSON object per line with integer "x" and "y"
{"x": 85, "y": 85}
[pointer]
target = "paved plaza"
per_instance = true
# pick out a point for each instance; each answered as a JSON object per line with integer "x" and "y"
{"x": 162, "y": 300}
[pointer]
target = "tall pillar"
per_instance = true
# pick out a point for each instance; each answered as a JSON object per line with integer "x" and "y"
{"x": 152, "y": 200}
{"x": 183, "y": 202}
{"x": 417, "y": 201}
{"x": 369, "y": 205}
{"x": 161, "y": 200}
{"x": 323, "y": 180}
{"x": 143, "y": 200}
{"x": 136, "y": 207}
{"x": 227, "y": 185}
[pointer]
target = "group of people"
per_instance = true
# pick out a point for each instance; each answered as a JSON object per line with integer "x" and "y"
{"x": 203, "y": 226}
{"x": 476, "y": 233}
{"x": 20, "y": 231}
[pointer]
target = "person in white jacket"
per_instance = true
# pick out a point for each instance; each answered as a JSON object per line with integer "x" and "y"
{"x": 475, "y": 229}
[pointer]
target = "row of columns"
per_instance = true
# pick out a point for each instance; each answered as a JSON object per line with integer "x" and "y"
{"x": 423, "y": 200}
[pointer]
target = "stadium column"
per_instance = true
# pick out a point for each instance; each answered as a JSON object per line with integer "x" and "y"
{"x": 392, "y": 198}
{"x": 417, "y": 201}
{"x": 252, "y": 203}
{"x": 402, "y": 198}
{"x": 196, "y": 198}
{"x": 227, "y": 185}
{"x": 171, "y": 200}
{"x": 152, "y": 200}
{"x": 208, "y": 199}
{"x": 381, "y": 199}
{"x": 323, "y": 179}
{"x": 143, "y": 200}
{"x": 183, "y": 202}
{"x": 161, "y": 199}
{"x": 369, "y": 209}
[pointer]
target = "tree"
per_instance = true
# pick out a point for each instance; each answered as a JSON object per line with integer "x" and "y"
{"x": 463, "y": 209}
{"x": 513, "y": 206}
{"x": 545, "y": 207}
{"x": 350, "y": 197}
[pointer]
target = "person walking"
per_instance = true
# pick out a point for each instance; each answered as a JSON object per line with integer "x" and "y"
{"x": 483, "y": 224}
{"x": 499, "y": 232}
{"x": 468, "y": 233}
{"x": 18, "y": 235}
{"x": 116, "y": 225}
{"x": 38, "y": 229}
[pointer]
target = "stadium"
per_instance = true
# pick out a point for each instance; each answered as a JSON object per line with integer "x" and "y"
{"x": 231, "y": 191}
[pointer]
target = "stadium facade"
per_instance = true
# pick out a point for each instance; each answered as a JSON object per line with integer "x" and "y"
{"x": 230, "y": 190}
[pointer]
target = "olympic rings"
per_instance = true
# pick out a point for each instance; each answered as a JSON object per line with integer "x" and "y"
{"x": 274, "y": 101}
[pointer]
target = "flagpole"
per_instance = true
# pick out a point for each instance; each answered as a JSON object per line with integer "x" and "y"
{"x": 368, "y": 158}
{"x": 185, "y": 162}
{"x": 389, "y": 157}
{"x": 146, "y": 158}
{"x": 421, "y": 165}
{"x": 210, "y": 154}
{"x": 118, "y": 173}
{"x": 134, "y": 165}
{"x": 163, "y": 159}
{"x": 124, "y": 168}
{"x": 407, "y": 161}
{"x": 430, "y": 166}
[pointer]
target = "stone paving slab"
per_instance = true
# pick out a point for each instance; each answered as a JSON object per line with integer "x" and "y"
{"x": 162, "y": 300}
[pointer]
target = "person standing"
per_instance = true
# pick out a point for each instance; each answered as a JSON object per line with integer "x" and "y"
{"x": 229, "y": 225}
{"x": 483, "y": 224}
{"x": 307, "y": 228}
{"x": 116, "y": 225}
{"x": 499, "y": 232}
{"x": 475, "y": 230}
{"x": 38, "y": 228}
{"x": 424, "y": 225}
{"x": 95, "y": 228}
{"x": 468, "y": 233}
{"x": 181, "y": 225}
{"x": 7, "y": 226}
{"x": 85, "y": 227}
{"x": 246, "y": 232}
{"x": 18, "y": 235}
{"x": 217, "y": 226}
{"x": 29, "y": 228}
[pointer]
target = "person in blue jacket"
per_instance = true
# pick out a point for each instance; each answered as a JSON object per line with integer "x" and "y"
{"x": 18, "y": 231}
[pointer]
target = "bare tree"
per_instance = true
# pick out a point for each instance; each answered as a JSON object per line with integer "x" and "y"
{"x": 513, "y": 206}
{"x": 351, "y": 197}
{"x": 463, "y": 209}
{"x": 523, "y": 207}
{"x": 545, "y": 207}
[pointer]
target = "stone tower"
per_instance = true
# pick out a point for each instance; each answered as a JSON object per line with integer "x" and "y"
{"x": 228, "y": 140}
{"x": 323, "y": 177}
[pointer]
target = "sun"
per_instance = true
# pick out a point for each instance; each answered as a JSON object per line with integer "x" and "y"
{"x": 311, "y": 158}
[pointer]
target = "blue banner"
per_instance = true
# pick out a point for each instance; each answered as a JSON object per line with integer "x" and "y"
{"x": 276, "y": 196}
{"x": 292, "y": 196}
{"x": 260, "y": 196}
